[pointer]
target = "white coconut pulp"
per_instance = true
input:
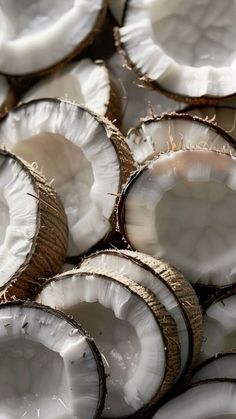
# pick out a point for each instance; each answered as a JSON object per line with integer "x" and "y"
{"x": 48, "y": 369}
{"x": 165, "y": 134}
{"x": 137, "y": 101}
{"x": 19, "y": 211}
{"x": 219, "y": 331}
{"x": 37, "y": 35}
{"x": 187, "y": 47}
{"x": 181, "y": 208}
{"x": 125, "y": 331}
{"x": 223, "y": 366}
{"x": 223, "y": 116}
{"x": 131, "y": 268}
{"x": 73, "y": 151}
{"x": 213, "y": 400}
{"x": 84, "y": 82}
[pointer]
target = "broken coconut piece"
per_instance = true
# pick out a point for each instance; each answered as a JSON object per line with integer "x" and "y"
{"x": 214, "y": 399}
{"x": 36, "y": 37}
{"x": 85, "y": 82}
{"x": 223, "y": 116}
{"x": 179, "y": 48}
{"x": 222, "y": 365}
{"x": 219, "y": 332}
{"x": 85, "y": 156}
{"x": 134, "y": 333}
{"x": 169, "y": 286}
{"x": 180, "y": 207}
{"x": 33, "y": 229}
{"x": 170, "y": 132}
{"x": 50, "y": 367}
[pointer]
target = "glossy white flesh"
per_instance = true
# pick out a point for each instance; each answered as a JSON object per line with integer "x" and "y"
{"x": 221, "y": 367}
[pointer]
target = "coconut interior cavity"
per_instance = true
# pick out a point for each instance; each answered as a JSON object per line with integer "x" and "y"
{"x": 126, "y": 333}
{"x": 181, "y": 208}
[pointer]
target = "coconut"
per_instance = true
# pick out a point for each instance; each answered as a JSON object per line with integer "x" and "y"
{"x": 171, "y": 131}
{"x": 85, "y": 156}
{"x": 180, "y": 207}
{"x": 60, "y": 369}
{"x": 221, "y": 365}
{"x": 179, "y": 48}
{"x": 134, "y": 333}
{"x": 169, "y": 286}
{"x": 33, "y": 231}
{"x": 37, "y": 36}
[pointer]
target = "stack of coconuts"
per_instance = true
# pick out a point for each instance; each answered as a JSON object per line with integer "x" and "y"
{"x": 117, "y": 205}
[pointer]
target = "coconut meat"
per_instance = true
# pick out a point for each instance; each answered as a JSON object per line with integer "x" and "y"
{"x": 166, "y": 134}
{"x": 42, "y": 361}
{"x": 219, "y": 332}
{"x": 213, "y": 400}
{"x": 37, "y": 35}
{"x": 130, "y": 268}
{"x": 125, "y": 332}
{"x": 72, "y": 149}
{"x": 181, "y": 208}
{"x": 197, "y": 60}
{"x": 84, "y": 82}
{"x": 220, "y": 367}
{"x": 18, "y": 209}
{"x": 3, "y": 90}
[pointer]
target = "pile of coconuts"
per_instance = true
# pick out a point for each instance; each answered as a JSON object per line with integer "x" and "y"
{"x": 117, "y": 205}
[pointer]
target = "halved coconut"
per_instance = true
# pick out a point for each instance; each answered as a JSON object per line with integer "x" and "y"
{"x": 173, "y": 131}
{"x": 221, "y": 365}
{"x": 37, "y": 36}
{"x": 50, "y": 368}
{"x": 134, "y": 333}
{"x": 224, "y": 116}
{"x": 6, "y": 95}
{"x": 85, "y": 82}
{"x": 186, "y": 49}
{"x": 219, "y": 330}
{"x": 180, "y": 207}
{"x": 170, "y": 288}
{"x": 33, "y": 229}
{"x": 213, "y": 399}
{"x": 137, "y": 101}
{"x": 85, "y": 156}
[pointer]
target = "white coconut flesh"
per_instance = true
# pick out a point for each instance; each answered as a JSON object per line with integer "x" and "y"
{"x": 37, "y": 35}
{"x": 223, "y": 116}
{"x": 137, "y": 101}
{"x": 212, "y": 400}
{"x": 48, "y": 367}
{"x": 117, "y": 9}
{"x": 84, "y": 82}
{"x": 219, "y": 330}
{"x": 173, "y": 132}
{"x": 223, "y": 366}
{"x": 116, "y": 261}
{"x": 181, "y": 208}
{"x": 19, "y": 212}
{"x": 197, "y": 60}
{"x": 125, "y": 330}
{"x": 74, "y": 151}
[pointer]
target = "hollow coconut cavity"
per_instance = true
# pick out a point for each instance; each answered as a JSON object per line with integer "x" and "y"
{"x": 220, "y": 366}
{"x": 50, "y": 368}
{"x": 85, "y": 82}
{"x": 180, "y": 207}
{"x": 85, "y": 157}
{"x": 194, "y": 63}
{"x": 224, "y": 116}
{"x": 168, "y": 285}
{"x": 172, "y": 131}
{"x": 33, "y": 230}
{"x": 135, "y": 335}
{"x": 219, "y": 331}
{"x": 36, "y": 36}
{"x": 209, "y": 400}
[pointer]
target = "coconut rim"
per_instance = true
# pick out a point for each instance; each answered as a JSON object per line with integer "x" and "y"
{"x": 76, "y": 325}
{"x": 146, "y": 295}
